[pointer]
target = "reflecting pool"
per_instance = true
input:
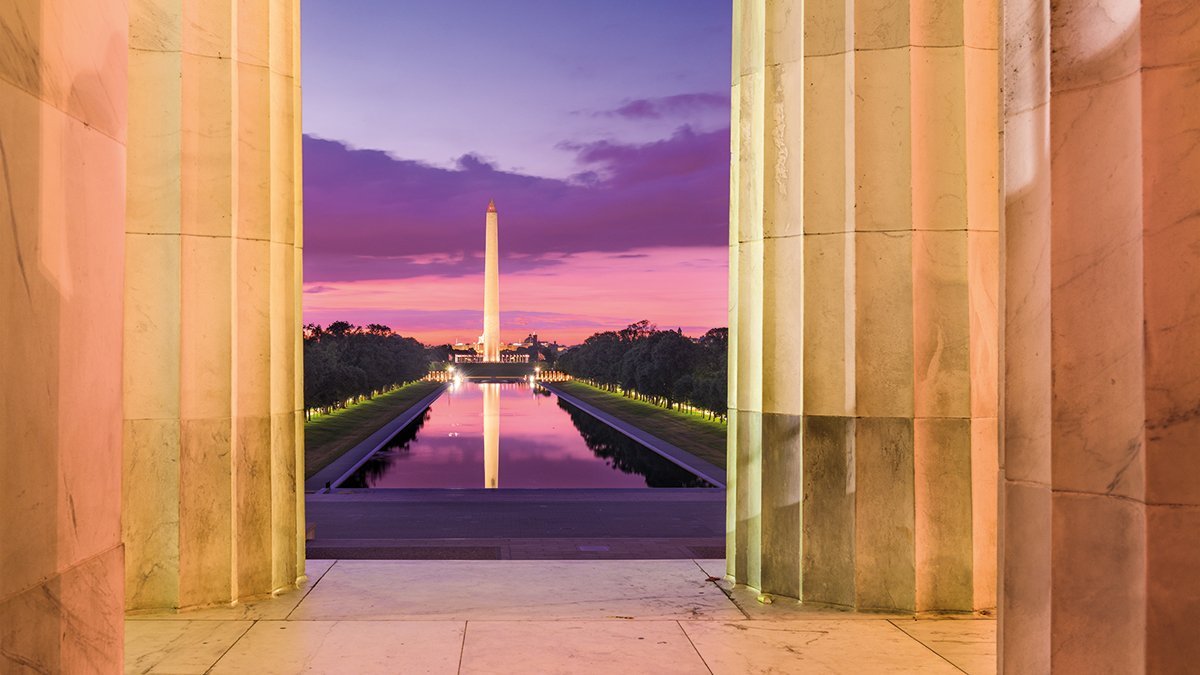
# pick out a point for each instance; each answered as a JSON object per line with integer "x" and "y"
{"x": 513, "y": 435}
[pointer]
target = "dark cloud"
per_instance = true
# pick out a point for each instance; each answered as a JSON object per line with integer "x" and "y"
{"x": 676, "y": 106}
{"x": 474, "y": 163}
{"x": 369, "y": 215}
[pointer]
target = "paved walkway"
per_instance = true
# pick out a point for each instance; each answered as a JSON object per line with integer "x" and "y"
{"x": 357, "y": 616}
{"x": 510, "y": 524}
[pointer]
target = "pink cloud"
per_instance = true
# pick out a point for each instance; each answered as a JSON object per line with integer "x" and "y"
{"x": 674, "y": 287}
{"x": 669, "y": 106}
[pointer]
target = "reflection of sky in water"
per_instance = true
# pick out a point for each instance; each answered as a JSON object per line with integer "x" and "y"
{"x": 540, "y": 444}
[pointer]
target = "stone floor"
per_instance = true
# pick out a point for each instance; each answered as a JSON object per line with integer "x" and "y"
{"x": 512, "y": 616}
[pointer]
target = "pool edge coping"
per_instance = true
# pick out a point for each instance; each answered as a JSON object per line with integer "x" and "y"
{"x": 369, "y": 446}
{"x": 672, "y": 453}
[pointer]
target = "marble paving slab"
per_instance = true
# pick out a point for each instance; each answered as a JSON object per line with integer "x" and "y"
{"x": 522, "y": 647}
{"x": 515, "y": 590}
{"x": 359, "y": 647}
{"x": 545, "y": 617}
{"x": 713, "y": 568}
{"x": 969, "y": 644}
{"x": 811, "y": 647}
{"x": 178, "y": 647}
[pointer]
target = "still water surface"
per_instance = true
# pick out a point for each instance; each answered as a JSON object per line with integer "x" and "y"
{"x": 512, "y": 435}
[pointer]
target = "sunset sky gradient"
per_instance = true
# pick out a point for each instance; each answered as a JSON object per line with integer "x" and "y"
{"x": 600, "y": 129}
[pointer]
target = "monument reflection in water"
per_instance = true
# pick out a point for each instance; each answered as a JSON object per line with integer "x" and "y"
{"x": 491, "y": 434}
{"x": 514, "y": 435}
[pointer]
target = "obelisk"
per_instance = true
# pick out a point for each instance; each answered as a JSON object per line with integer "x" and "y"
{"x": 491, "y": 287}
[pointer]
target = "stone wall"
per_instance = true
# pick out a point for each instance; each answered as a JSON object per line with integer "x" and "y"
{"x": 62, "y": 214}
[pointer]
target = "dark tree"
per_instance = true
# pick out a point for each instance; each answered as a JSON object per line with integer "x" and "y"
{"x": 662, "y": 365}
{"x": 343, "y": 362}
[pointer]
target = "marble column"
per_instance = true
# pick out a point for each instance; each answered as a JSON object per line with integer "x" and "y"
{"x": 864, "y": 278}
{"x": 1101, "y": 506}
{"x": 62, "y": 213}
{"x": 213, "y": 431}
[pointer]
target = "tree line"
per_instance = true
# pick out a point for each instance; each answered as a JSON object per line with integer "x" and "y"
{"x": 664, "y": 366}
{"x": 344, "y": 363}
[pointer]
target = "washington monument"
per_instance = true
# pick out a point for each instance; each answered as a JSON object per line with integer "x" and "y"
{"x": 491, "y": 287}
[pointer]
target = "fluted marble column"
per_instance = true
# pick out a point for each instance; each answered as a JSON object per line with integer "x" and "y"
{"x": 1102, "y": 337}
{"x": 213, "y": 435}
{"x": 864, "y": 279}
{"x": 62, "y": 213}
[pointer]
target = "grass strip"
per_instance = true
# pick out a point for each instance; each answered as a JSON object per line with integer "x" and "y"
{"x": 701, "y": 437}
{"x": 329, "y": 436}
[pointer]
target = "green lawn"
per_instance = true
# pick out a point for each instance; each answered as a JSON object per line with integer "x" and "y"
{"x": 328, "y": 436}
{"x": 703, "y": 438}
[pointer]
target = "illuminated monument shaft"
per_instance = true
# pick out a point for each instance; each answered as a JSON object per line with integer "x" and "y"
{"x": 491, "y": 288}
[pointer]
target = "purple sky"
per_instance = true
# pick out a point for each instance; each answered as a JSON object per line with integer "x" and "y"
{"x": 600, "y": 129}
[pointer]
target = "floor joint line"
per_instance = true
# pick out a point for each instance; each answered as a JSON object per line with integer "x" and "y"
{"x": 918, "y": 641}
{"x": 309, "y": 590}
{"x": 463, "y": 647}
{"x": 683, "y": 630}
{"x": 228, "y": 649}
